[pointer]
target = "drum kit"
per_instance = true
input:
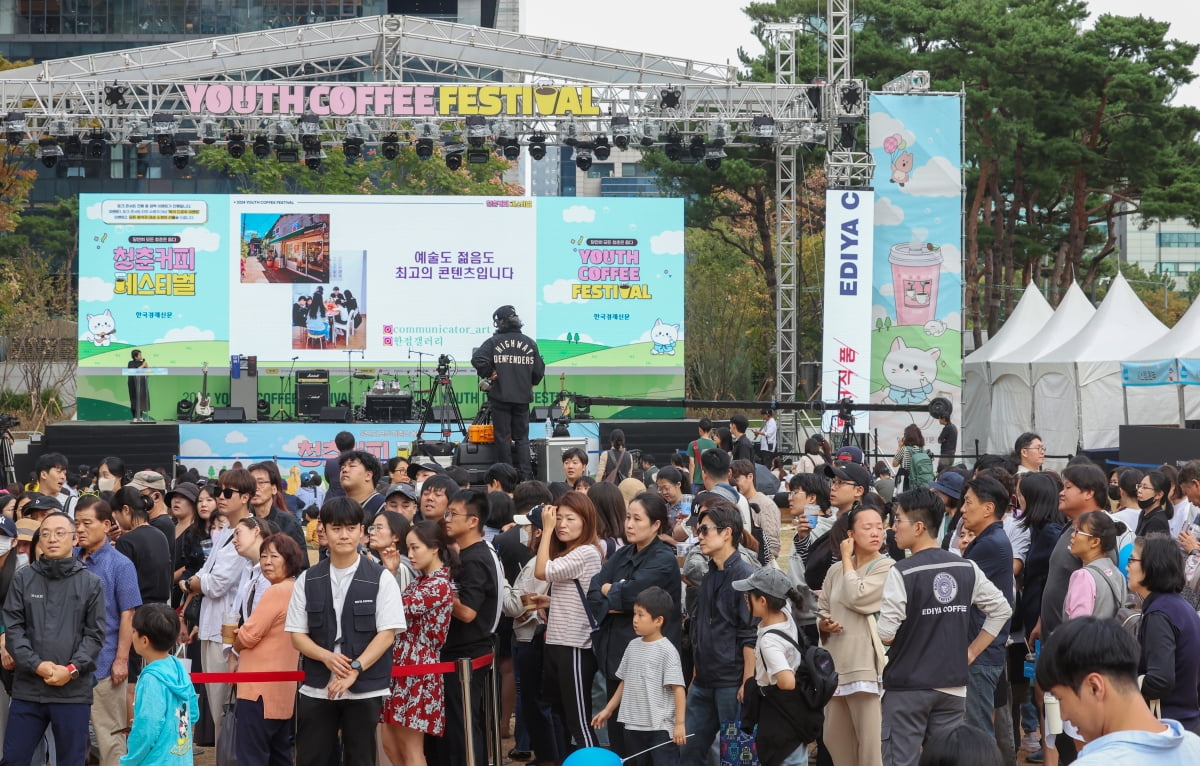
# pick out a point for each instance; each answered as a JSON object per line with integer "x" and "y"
{"x": 390, "y": 397}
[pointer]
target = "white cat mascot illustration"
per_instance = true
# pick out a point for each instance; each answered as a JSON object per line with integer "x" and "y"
{"x": 909, "y": 372}
{"x": 101, "y": 328}
{"x": 664, "y": 336}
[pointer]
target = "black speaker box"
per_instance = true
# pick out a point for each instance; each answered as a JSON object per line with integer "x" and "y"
{"x": 229, "y": 415}
{"x": 311, "y": 398}
{"x": 335, "y": 415}
{"x": 476, "y": 458}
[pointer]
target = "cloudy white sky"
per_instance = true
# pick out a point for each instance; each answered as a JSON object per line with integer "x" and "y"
{"x": 711, "y": 31}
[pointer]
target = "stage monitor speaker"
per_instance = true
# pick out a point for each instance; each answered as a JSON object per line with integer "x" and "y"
{"x": 229, "y": 415}
{"x": 335, "y": 415}
{"x": 541, "y": 413}
{"x": 311, "y": 397}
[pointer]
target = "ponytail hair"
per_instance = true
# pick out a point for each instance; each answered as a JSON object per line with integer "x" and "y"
{"x": 137, "y": 503}
{"x": 1103, "y": 527}
{"x": 803, "y": 603}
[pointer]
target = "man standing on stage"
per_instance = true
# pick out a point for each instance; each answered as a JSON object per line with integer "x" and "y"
{"x": 139, "y": 393}
{"x": 512, "y": 365}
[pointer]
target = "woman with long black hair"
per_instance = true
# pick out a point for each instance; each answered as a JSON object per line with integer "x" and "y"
{"x": 645, "y": 562}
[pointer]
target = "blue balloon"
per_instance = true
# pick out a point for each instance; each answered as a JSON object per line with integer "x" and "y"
{"x": 593, "y": 756}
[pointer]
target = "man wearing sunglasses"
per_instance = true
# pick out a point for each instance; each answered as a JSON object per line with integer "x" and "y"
{"x": 218, "y": 580}
{"x": 723, "y": 632}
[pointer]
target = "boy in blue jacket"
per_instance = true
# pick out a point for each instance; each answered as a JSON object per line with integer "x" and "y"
{"x": 165, "y": 708}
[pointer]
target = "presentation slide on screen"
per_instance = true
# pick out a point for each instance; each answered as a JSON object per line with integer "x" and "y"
{"x": 384, "y": 283}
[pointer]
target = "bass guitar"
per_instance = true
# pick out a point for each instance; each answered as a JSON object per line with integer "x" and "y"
{"x": 204, "y": 407}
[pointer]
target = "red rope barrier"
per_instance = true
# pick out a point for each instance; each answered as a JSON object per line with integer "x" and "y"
{"x": 284, "y": 676}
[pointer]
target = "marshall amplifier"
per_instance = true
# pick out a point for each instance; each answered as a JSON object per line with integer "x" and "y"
{"x": 312, "y": 376}
{"x": 312, "y": 392}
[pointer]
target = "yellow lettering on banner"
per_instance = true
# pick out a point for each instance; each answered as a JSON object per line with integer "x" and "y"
{"x": 447, "y": 96}
{"x": 594, "y": 292}
{"x": 183, "y": 284}
{"x": 489, "y": 100}
{"x": 468, "y": 100}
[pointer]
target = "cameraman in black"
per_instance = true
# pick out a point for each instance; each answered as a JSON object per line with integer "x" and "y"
{"x": 510, "y": 365}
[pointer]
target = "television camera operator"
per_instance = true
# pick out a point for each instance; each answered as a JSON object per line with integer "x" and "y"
{"x": 509, "y": 366}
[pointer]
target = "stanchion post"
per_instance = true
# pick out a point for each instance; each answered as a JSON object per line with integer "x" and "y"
{"x": 463, "y": 666}
{"x": 497, "y": 745}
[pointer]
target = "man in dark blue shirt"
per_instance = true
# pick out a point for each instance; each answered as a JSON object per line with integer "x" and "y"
{"x": 984, "y": 504}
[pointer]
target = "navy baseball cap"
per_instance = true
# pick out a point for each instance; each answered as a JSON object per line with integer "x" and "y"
{"x": 532, "y": 518}
{"x": 7, "y": 527}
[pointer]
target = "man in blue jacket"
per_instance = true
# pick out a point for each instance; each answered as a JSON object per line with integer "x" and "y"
{"x": 54, "y": 621}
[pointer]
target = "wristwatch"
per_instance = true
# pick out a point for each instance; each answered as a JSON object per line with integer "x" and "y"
{"x": 356, "y": 666}
{"x": 73, "y": 671}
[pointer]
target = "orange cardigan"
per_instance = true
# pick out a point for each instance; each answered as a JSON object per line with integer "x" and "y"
{"x": 268, "y": 648}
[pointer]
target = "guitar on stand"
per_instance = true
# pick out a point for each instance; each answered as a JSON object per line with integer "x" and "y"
{"x": 204, "y": 409}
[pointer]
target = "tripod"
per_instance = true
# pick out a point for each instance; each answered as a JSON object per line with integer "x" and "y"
{"x": 281, "y": 414}
{"x": 442, "y": 405}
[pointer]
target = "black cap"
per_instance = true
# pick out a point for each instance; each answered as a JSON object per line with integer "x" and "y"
{"x": 502, "y": 313}
{"x": 847, "y": 470}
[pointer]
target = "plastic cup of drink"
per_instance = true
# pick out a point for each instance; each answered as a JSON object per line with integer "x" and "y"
{"x": 528, "y": 600}
{"x": 812, "y": 521}
{"x": 229, "y": 626}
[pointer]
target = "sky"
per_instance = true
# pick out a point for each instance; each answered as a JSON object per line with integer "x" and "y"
{"x": 711, "y": 31}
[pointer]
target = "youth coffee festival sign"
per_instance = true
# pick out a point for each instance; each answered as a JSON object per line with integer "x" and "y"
{"x": 390, "y": 100}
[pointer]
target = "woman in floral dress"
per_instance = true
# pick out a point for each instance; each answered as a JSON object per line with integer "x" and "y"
{"x": 415, "y": 707}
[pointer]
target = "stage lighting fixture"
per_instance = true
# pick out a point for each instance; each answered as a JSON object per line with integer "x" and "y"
{"x": 114, "y": 95}
{"x": 764, "y": 129}
{"x": 313, "y": 157}
{"x": 583, "y": 157}
{"x": 601, "y": 149}
{"x": 478, "y": 155}
{"x": 285, "y": 131}
{"x": 310, "y": 132}
{"x": 49, "y": 151}
{"x": 14, "y": 128}
{"x": 138, "y": 130}
{"x": 813, "y": 94}
{"x": 477, "y": 132}
{"x": 696, "y": 148}
{"x": 390, "y": 146}
{"x": 166, "y": 145}
{"x": 713, "y": 156}
{"x": 649, "y": 133}
{"x": 287, "y": 153}
{"x": 621, "y": 130}
{"x": 162, "y": 124}
{"x": 537, "y": 146}
{"x": 210, "y": 131}
{"x": 849, "y": 133}
{"x": 235, "y": 144}
{"x": 852, "y": 94}
{"x": 262, "y": 147}
{"x": 184, "y": 408}
{"x": 674, "y": 147}
{"x": 452, "y": 152}
{"x": 357, "y": 134}
{"x": 96, "y": 145}
{"x": 183, "y": 155}
{"x": 718, "y": 133}
{"x": 669, "y": 98}
{"x": 59, "y": 128}
{"x": 424, "y": 149}
{"x": 511, "y": 149}
{"x": 73, "y": 147}
{"x": 571, "y": 136}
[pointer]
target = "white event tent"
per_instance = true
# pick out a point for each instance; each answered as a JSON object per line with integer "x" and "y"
{"x": 1161, "y": 401}
{"x": 1012, "y": 378}
{"x": 1077, "y": 385}
{"x": 1027, "y": 319}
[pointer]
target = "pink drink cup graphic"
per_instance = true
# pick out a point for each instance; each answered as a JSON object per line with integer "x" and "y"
{"x": 916, "y": 268}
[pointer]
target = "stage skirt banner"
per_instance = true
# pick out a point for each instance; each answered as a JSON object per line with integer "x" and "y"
{"x": 368, "y": 283}
{"x": 1160, "y": 373}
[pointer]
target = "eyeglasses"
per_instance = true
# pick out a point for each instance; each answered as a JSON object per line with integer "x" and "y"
{"x": 376, "y": 528}
{"x": 1037, "y": 448}
{"x": 704, "y": 529}
{"x": 840, "y": 483}
{"x": 227, "y": 492}
{"x": 57, "y": 534}
{"x": 449, "y": 515}
{"x": 1077, "y": 531}
{"x": 1134, "y": 558}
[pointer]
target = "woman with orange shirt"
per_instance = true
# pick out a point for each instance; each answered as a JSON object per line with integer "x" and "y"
{"x": 264, "y": 710}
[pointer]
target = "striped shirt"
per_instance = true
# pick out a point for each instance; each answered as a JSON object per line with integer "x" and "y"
{"x": 567, "y": 623}
{"x": 648, "y": 670}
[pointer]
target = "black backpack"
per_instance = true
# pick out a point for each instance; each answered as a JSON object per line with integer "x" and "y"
{"x": 787, "y": 719}
{"x": 816, "y": 677}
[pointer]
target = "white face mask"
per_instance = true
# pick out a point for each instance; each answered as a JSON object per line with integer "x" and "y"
{"x": 106, "y": 483}
{"x": 6, "y": 544}
{"x": 525, "y": 536}
{"x": 418, "y": 486}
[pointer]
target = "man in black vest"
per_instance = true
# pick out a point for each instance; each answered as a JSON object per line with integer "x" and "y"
{"x": 511, "y": 365}
{"x": 926, "y": 618}
{"x": 347, "y": 665}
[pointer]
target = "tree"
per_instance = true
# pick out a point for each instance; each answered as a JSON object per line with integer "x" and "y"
{"x": 372, "y": 174}
{"x": 1067, "y": 129}
{"x": 16, "y": 177}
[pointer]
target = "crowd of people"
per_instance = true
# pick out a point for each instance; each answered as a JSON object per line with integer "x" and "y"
{"x": 985, "y": 611}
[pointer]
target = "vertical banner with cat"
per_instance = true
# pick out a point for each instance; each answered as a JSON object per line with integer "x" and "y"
{"x": 846, "y": 367}
{"x": 916, "y": 311}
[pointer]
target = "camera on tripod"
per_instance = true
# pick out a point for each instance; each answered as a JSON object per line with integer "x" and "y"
{"x": 443, "y": 364}
{"x": 846, "y": 411}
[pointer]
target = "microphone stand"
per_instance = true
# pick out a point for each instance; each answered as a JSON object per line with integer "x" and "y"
{"x": 350, "y": 418}
{"x": 281, "y": 414}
